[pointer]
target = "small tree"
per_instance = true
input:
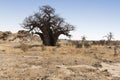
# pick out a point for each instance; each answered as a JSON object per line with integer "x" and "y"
{"x": 109, "y": 37}
{"x": 83, "y": 41}
{"x": 47, "y": 25}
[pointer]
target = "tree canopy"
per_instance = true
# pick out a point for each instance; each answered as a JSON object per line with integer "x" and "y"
{"x": 48, "y": 25}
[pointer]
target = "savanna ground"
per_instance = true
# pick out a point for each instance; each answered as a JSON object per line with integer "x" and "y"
{"x": 28, "y": 61}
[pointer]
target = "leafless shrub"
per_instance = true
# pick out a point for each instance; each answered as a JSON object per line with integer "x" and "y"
{"x": 43, "y": 47}
{"x": 78, "y": 45}
{"x": 116, "y": 50}
{"x": 24, "y": 47}
{"x": 5, "y": 35}
{"x": 87, "y": 45}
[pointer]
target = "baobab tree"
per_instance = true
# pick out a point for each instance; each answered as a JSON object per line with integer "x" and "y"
{"x": 48, "y": 25}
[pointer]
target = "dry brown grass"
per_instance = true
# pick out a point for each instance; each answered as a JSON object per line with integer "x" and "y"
{"x": 39, "y": 62}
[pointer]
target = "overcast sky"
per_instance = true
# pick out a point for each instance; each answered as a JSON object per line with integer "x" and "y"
{"x": 92, "y": 18}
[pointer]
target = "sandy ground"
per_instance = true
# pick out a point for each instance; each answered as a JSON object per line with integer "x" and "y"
{"x": 58, "y": 63}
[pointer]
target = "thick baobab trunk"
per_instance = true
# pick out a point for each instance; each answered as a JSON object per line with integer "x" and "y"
{"x": 48, "y": 40}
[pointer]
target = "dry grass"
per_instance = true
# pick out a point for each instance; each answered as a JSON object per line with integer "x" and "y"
{"x": 39, "y": 62}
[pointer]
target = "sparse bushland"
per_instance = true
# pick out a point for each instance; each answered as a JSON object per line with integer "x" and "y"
{"x": 34, "y": 61}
